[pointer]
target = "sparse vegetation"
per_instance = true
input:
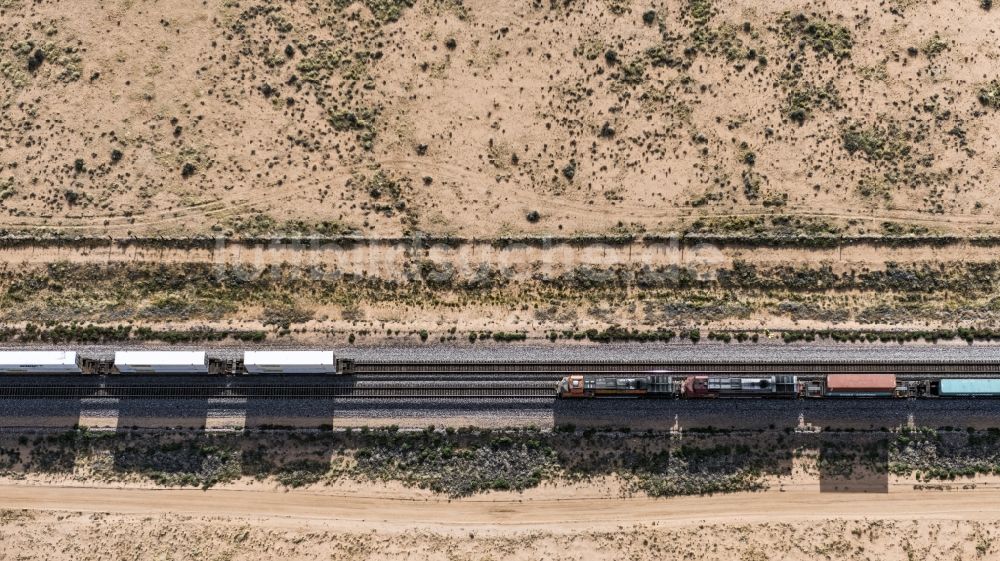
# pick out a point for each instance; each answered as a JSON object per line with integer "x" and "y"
{"x": 569, "y": 170}
{"x": 875, "y": 142}
{"x": 637, "y": 302}
{"x": 402, "y": 123}
{"x": 700, "y": 11}
{"x": 826, "y": 39}
{"x": 762, "y": 227}
{"x": 934, "y": 46}
{"x": 989, "y": 95}
{"x": 804, "y": 100}
{"x": 362, "y": 122}
{"x": 348, "y": 90}
{"x": 261, "y": 225}
{"x": 468, "y": 461}
{"x": 384, "y": 11}
{"x": 7, "y": 189}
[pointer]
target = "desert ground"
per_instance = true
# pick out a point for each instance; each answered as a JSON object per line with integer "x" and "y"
{"x": 484, "y": 119}
{"x": 420, "y": 171}
{"x": 471, "y": 173}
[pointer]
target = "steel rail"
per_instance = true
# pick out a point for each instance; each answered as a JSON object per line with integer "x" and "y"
{"x": 271, "y": 391}
{"x": 676, "y": 366}
{"x": 556, "y": 375}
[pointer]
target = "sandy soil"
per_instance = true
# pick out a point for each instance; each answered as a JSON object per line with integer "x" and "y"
{"x": 180, "y": 116}
{"x": 478, "y": 119}
{"x": 94, "y": 523}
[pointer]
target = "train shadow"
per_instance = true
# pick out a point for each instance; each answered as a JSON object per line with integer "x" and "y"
{"x": 298, "y": 411}
{"x": 777, "y": 432}
{"x": 854, "y": 463}
{"x": 42, "y": 413}
{"x": 198, "y": 457}
{"x": 665, "y": 464}
{"x": 676, "y": 414}
{"x": 187, "y": 413}
{"x": 289, "y": 413}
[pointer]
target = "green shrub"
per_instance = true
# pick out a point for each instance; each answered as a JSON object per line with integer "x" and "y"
{"x": 569, "y": 170}
{"x": 989, "y": 95}
{"x": 875, "y": 143}
{"x": 700, "y": 11}
{"x": 633, "y": 73}
{"x": 802, "y": 101}
{"x": 825, "y": 38}
{"x": 934, "y": 46}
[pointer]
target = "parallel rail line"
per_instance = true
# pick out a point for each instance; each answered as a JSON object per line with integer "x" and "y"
{"x": 894, "y": 367}
{"x": 273, "y": 391}
{"x": 120, "y": 389}
{"x": 469, "y": 380}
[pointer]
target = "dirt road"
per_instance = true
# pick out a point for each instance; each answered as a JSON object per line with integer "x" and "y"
{"x": 377, "y": 523}
{"x": 772, "y": 506}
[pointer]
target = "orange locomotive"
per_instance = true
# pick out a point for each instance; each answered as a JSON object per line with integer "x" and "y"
{"x": 688, "y": 387}
{"x": 579, "y": 385}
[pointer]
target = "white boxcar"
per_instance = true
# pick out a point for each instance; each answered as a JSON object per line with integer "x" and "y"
{"x": 289, "y": 362}
{"x": 41, "y": 362}
{"x": 161, "y": 362}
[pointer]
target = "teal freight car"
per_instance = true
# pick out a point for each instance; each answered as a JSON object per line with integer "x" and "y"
{"x": 968, "y": 387}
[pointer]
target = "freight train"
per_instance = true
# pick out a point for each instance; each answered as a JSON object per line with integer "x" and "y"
{"x": 174, "y": 362}
{"x": 660, "y": 384}
{"x": 698, "y": 386}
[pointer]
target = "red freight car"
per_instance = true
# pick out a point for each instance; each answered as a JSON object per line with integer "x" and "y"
{"x": 860, "y": 385}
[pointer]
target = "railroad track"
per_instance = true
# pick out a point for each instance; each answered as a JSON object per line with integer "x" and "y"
{"x": 553, "y": 377}
{"x": 326, "y": 389}
{"x": 465, "y": 377}
{"x": 468, "y": 380}
{"x": 561, "y": 368}
{"x": 276, "y": 391}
